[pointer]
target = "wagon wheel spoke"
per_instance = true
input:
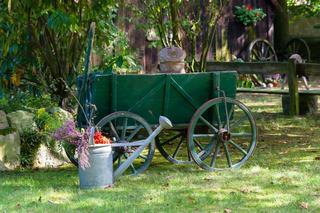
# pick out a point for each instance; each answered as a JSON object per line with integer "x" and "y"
{"x": 113, "y": 130}
{"x": 238, "y": 147}
{"x": 171, "y": 139}
{"x": 173, "y": 146}
{"x": 208, "y": 149}
{"x": 239, "y": 121}
{"x": 256, "y": 54}
{"x": 227, "y": 154}
{"x": 209, "y": 124}
{"x": 143, "y": 157}
{"x": 218, "y": 115}
{"x": 128, "y": 127}
{"x": 124, "y": 128}
{"x": 241, "y": 134}
{"x": 300, "y": 47}
{"x": 134, "y": 171}
{"x": 177, "y": 149}
{"x": 214, "y": 156}
{"x": 198, "y": 144}
{"x": 135, "y": 131}
{"x": 229, "y": 148}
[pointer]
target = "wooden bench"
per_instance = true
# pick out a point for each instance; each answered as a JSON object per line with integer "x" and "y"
{"x": 290, "y": 68}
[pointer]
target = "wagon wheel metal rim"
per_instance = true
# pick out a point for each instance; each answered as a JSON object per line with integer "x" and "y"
{"x": 230, "y": 146}
{"x": 126, "y": 127}
{"x": 172, "y": 145}
{"x": 298, "y": 46}
{"x": 261, "y": 50}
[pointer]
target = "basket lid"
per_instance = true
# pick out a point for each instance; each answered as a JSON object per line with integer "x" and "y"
{"x": 172, "y": 54}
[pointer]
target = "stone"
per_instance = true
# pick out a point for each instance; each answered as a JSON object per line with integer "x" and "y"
{"x": 21, "y": 120}
{"x": 9, "y": 151}
{"x": 3, "y": 120}
{"x": 46, "y": 158}
{"x": 63, "y": 114}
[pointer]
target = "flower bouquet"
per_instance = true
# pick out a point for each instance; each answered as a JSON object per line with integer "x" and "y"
{"x": 68, "y": 133}
{"x": 248, "y": 15}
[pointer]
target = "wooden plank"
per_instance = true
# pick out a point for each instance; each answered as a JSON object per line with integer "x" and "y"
{"x": 114, "y": 93}
{"x": 310, "y": 69}
{"x": 276, "y": 91}
{"x": 249, "y": 67}
{"x": 293, "y": 88}
{"x": 166, "y": 95}
{"x": 266, "y": 91}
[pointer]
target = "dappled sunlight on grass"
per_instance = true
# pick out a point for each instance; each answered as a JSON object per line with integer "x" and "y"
{"x": 282, "y": 173}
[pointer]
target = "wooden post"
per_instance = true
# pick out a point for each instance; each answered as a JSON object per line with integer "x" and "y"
{"x": 293, "y": 88}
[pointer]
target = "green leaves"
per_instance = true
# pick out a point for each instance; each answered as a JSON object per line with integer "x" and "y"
{"x": 248, "y": 15}
{"x": 62, "y": 22}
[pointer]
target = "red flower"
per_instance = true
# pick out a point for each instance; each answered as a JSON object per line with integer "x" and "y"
{"x": 249, "y": 7}
{"x": 100, "y": 139}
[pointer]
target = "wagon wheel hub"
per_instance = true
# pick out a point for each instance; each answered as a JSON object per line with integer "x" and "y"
{"x": 224, "y": 135}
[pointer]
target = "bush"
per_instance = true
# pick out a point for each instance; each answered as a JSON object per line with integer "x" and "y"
{"x": 30, "y": 144}
{"x": 25, "y": 101}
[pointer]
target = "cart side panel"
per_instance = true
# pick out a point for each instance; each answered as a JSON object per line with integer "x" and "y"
{"x": 140, "y": 94}
{"x": 228, "y": 83}
{"x": 187, "y": 93}
{"x": 101, "y": 94}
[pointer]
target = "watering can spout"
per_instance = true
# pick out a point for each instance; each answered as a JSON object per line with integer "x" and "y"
{"x": 164, "y": 122}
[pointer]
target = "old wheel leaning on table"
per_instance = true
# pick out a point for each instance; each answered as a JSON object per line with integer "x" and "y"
{"x": 126, "y": 127}
{"x": 222, "y": 134}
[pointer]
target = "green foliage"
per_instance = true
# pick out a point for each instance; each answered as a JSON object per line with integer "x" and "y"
{"x": 30, "y": 143}
{"x": 177, "y": 21}
{"x": 44, "y": 41}
{"x": 7, "y": 131}
{"x": 248, "y": 15}
{"x": 308, "y": 9}
{"x": 25, "y": 101}
{"x": 47, "y": 123}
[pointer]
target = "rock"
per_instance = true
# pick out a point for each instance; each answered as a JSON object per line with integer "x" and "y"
{"x": 21, "y": 120}
{"x": 45, "y": 158}
{"x": 63, "y": 114}
{"x": 9, "y": 151}
{"x": 3, "y": 120}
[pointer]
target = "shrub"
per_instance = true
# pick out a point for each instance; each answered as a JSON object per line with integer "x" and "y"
{"x": 30, "y": 143}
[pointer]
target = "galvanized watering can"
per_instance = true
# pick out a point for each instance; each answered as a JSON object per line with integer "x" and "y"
{"x": 100, "y": 174}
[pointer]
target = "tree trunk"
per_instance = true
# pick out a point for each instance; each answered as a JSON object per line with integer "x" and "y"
{"x": 281, "y": 26}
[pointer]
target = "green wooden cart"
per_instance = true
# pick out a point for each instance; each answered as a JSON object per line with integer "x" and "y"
{"x": 211, "y": 128}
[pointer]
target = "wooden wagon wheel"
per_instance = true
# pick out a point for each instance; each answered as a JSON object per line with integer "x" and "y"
{"x": 261, "y": 50}
{"x": 126, "y": 127}
{"x": 300, "y": 47}
{"x": 222, "y": 134}
{"x": 172, "y": 145}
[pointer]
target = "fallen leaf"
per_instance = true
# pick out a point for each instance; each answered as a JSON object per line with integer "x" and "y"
{"x": 227, "y": 211}
{"x": 304, "y": 205}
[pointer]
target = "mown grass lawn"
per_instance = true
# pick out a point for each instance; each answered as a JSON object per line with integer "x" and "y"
{"x": 282, "y": 176}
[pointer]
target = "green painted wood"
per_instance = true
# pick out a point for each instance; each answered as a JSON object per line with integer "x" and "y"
{"x": 175, "y": 95}
{"x": 167, "y": 95}
{"x": 114, "y": 92}
{"x": 293, "y": 88}
{"x": 84, "y": 87}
